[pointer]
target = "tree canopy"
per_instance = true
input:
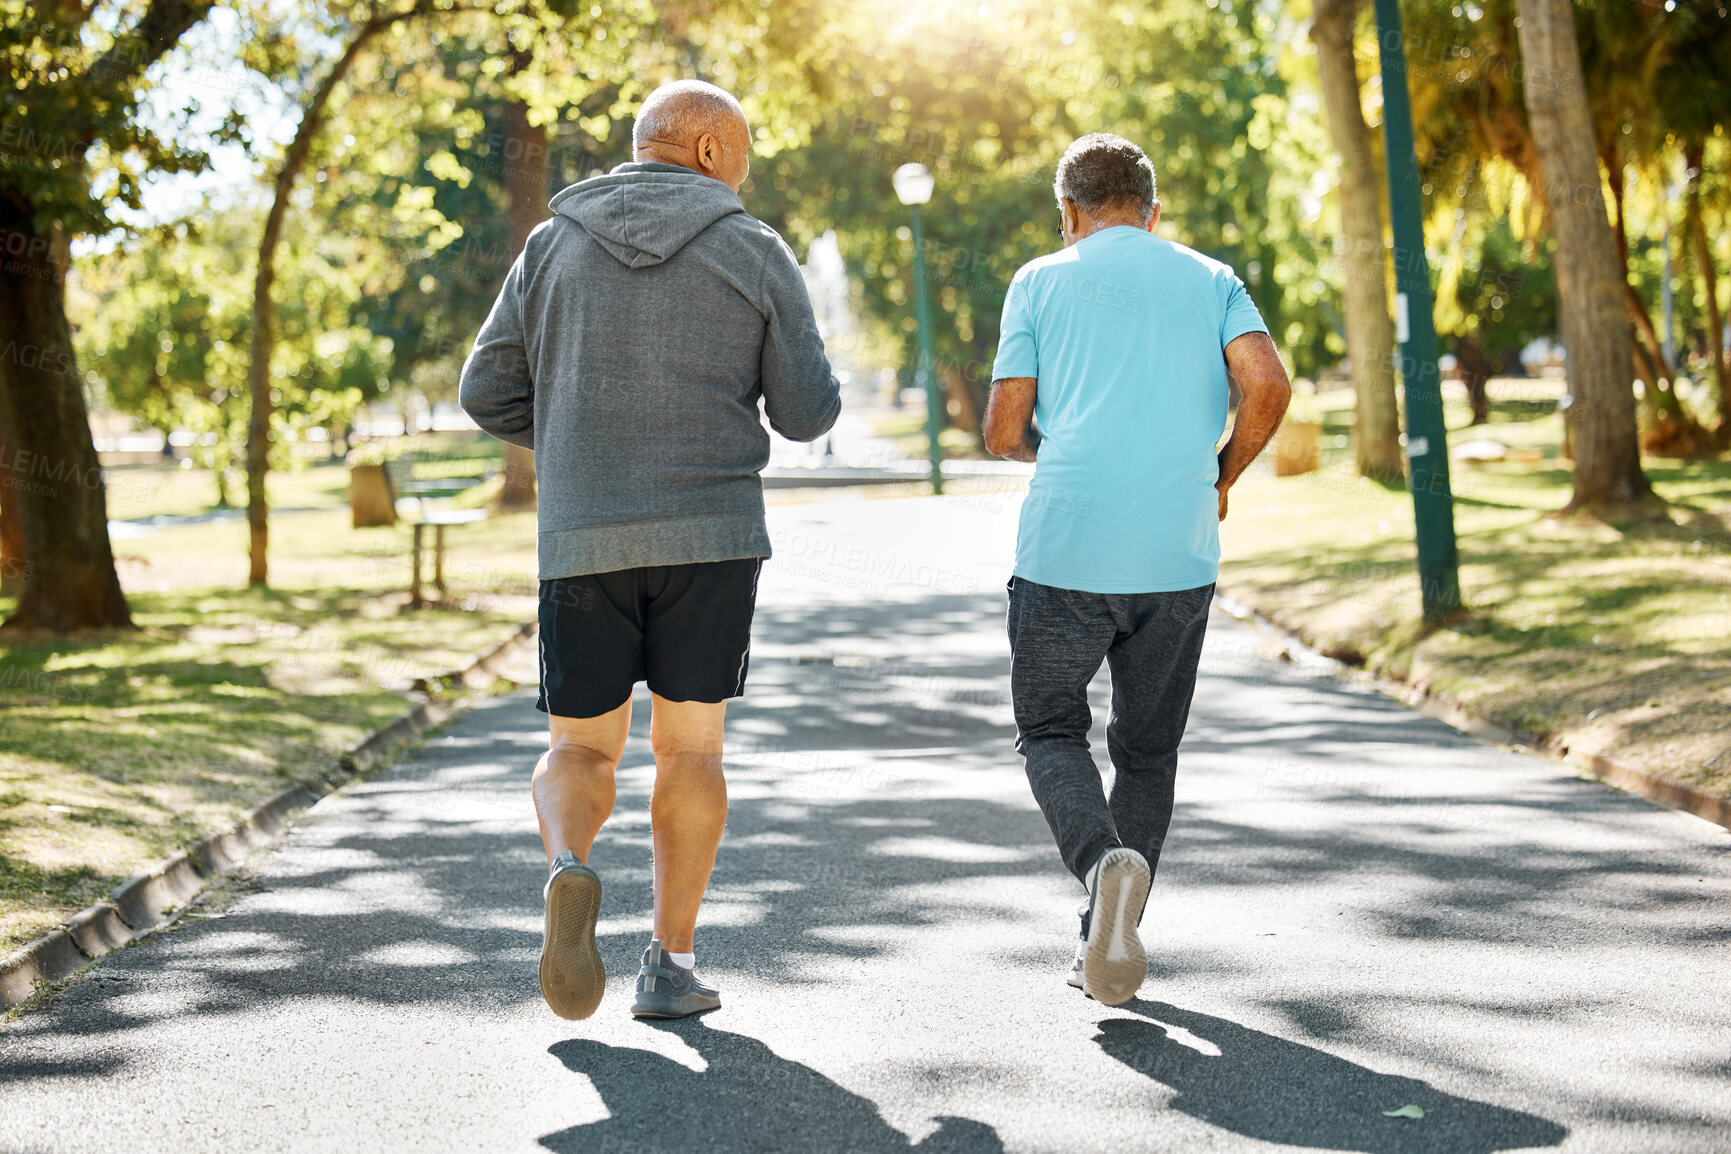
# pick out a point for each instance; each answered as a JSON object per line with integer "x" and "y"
{"x": 389, "y": 237}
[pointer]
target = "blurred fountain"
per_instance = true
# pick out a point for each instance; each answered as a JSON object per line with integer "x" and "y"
{"x": 851, "y": 443}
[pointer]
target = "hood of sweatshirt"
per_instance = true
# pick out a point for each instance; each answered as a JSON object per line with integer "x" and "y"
{"x": 643, "y": 212}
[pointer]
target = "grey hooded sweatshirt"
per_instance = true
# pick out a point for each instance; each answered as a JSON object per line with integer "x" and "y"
{"x": 629, "y": 348}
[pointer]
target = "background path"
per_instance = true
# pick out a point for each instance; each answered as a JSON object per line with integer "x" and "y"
{"x": 1359, "y": 910}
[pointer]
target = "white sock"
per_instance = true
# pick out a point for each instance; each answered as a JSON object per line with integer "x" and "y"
{"x": 683, "y": 961}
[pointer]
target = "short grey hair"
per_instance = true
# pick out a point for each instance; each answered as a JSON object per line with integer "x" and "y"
{"x": 680, "y": 112}
{"x": 1102, "y": 171}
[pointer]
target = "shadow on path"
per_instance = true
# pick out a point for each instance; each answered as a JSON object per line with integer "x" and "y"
{"x": 1268, "y": 1088}
{"x": 748, "y": 1098}
{"x": 878, "y": 796}
{"x": 425, "y": 884}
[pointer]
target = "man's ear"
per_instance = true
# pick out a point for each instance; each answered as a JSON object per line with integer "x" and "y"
{"x": 708, "y": 150}
{"x": 1155, "y": 218}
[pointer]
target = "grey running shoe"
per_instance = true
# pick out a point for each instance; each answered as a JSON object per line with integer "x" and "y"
{"x": 572, "y": 977}
{"x": 1075, "y": 978}
{"x": 1114, "y": 962}
{"x": 665, "y": 990}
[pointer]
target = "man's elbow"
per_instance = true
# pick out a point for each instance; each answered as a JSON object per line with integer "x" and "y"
{"x": 1280, "y": 394}
{"x": 805, "y": 428}
{"x": 1270, "y": 393}
{"x": 477, "y": 395}
{"x": 513, "y": 423}
{"x": 997, "y": 444}
{"x": 513, "y": 428}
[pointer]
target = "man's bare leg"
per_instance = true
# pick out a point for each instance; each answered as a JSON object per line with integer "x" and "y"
{"x": 687, "y": 812}
{"x": 574, "y": 790}
{"x": 573, "y": 784}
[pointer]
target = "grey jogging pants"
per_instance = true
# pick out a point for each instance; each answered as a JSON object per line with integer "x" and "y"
{"x": 1153, "y": 643}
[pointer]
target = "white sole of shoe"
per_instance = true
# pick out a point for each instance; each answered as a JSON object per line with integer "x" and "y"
{"x": 671, "y": 1011}
{"x": 572, "y": 976}
{"x": 1116, "y": 963}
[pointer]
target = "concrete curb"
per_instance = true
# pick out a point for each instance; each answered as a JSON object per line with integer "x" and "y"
{"x": 146, "y": 900}
{"x": 151, "y": 899}
{"x": 50, "y": 956}
{"x": 1444, "y": 708}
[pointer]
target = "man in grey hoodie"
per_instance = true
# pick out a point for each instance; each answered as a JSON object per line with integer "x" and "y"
{"x": 629, "y": 348}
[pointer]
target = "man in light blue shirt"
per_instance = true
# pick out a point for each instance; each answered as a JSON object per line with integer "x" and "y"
{"x": 1118, "y": 348}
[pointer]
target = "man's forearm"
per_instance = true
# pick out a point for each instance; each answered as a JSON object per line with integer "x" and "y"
{"x": 496, "y": 387}
{"x": 1027, "y": 449}
{"x": 1008, "y": 429}
{"x": 496, "y": 393}
{"x": 1259, "y": 416}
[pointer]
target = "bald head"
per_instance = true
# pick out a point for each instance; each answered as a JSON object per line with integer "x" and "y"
{"x": 697, "y": 126}
{"x": 678, "y": 113}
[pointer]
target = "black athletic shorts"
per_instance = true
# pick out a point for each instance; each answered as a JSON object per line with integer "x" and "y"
{"x": 685, "y": 629}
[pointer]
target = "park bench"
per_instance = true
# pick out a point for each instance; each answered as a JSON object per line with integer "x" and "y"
{"x": 405, "y": 488}
{"x": 438, "y": 520}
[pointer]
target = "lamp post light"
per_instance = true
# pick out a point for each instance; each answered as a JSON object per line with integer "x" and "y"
{"x": 913, "y": 184}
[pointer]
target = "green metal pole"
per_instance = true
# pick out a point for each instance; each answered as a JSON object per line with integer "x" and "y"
{"x": 1426, "y": 435}
{"x": 923, "y": 376}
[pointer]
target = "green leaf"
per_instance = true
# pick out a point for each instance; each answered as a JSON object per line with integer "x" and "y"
{"x": 1407, "y": 1111}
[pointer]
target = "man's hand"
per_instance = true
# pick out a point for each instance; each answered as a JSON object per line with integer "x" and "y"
{"x": 1221, "y": 489}
{"x": 1008, "y": 429}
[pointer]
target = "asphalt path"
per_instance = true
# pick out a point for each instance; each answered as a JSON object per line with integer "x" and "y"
{"x": 1360, "y": 910}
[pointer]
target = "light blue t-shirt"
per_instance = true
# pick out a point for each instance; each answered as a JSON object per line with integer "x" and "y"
{"x": 1125, "y": 334}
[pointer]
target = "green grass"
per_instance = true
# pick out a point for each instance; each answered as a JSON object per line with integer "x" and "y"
{"x": 907, "y": 431}
{"x": 1614, "y": 636}
{"x": 121, "y": 748}
{"x": 136, "y": 491}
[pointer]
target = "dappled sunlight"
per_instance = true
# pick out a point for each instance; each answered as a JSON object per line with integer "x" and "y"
{"x": 952, "y": 850}
{"x": 155, "y": 738}
{"x": 241, "y": 382}
{"x": 416, "y": 954}
{"x": 1318, "y": 825}
{"x": 1563, "y": 617}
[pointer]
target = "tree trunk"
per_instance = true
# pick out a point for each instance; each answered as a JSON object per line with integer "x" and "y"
{"x": 1716, "y": 332}
{"x": 1695, "y": 230}
{"x": 263, "y": 314}
{"x": 968, "y": 413}
{"x": 56, "y": 500}
{"x": 1645, "y": 372}
{"x": 1648, "y": 335}
{"x": 1653, "y": 351}
{"x": 1666, "y": 428}
{"x": 975, "y": 382}
{"x": 1475, "y": 374}
{"x": 528, "y": 173}
{"x": 1589, "y": 275}
{"x": 258, "y": 386}
{"x": 1369, "y": 329}
{"x": 55, "y": 474}
{"x": 1671, "y": 431}
{"x": 1566, "y": 402}
{"x": 12, "y": 563}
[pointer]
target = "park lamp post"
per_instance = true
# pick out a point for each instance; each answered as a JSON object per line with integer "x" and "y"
{"x": 1415, "y": 327}
{"x": 913, "y": 184}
